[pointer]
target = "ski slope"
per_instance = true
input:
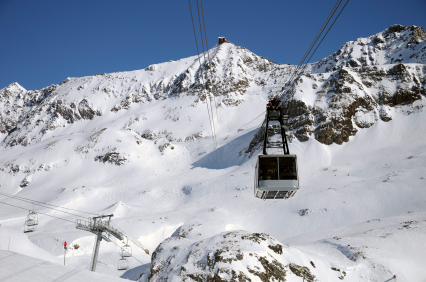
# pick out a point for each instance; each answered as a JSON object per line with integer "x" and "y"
{"x": 21, "y": 268}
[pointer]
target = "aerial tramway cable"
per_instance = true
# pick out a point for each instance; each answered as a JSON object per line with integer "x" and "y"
{"x": 208, "y": 56}
{"x": 296, "y": 72}
{"x": 202, "y": 78}
{"x": 328, "y": 31}
{"x": 277, "y": 175}
{"x": 299, "y": 66}
{"x": 205, "y": 65}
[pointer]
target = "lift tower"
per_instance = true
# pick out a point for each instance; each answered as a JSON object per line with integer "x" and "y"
{"x": 102, "y": 229}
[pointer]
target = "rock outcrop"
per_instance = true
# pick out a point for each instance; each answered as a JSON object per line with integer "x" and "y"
{"x": 230, "y": 256}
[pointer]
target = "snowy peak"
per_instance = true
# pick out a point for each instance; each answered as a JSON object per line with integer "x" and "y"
{"x": 233, "y": 71}
{"x": 13, "y": 88}
{"x": 397, "y": 44}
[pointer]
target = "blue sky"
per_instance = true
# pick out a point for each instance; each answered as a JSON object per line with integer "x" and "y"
{"x": 43, "y": 42}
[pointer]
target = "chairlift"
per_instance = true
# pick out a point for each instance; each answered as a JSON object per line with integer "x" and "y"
{"x": 126, "y": 251}
{"x": 31, "y": 222}
{"x": 276, "y": 175}
{"x": 123, "y": 264}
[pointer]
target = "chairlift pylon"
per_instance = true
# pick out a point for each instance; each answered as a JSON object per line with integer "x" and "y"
{"x": 277, "y": 175}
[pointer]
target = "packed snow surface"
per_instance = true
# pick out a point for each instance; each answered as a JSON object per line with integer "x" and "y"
{"x": 19, "y": 268}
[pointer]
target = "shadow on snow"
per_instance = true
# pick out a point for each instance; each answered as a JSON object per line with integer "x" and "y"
{"x": 227, "y": 155}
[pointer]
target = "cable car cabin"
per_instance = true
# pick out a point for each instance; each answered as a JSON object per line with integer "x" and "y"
{"x": 276, "y": 176}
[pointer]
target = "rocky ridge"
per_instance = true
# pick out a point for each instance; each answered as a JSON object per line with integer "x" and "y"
{"x": 230, "y": 256}
{"x": 365, "y": 81}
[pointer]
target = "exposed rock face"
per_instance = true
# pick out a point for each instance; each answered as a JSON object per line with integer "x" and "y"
{"x": 397, "y": 44}
{"x": 38, "y": 110}
{"x": 350, "y": 99}
{"x": 111, "y": 157}
{"x": 229, "y": 256}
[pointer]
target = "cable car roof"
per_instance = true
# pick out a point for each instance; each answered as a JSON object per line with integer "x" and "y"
{"x": 277, "y": 155}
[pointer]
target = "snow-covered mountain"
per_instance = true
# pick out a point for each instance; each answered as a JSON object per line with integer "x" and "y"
{"x": 139, "y": 144}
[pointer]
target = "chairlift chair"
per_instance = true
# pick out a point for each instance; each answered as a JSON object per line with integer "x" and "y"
{"x": 123, "y": 264}
{"x": 276, "y": 175}
{"x": 126, "y": 251}
{"x": 31, "y": 222}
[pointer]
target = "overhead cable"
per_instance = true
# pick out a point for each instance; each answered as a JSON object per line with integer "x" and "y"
{"x": 126, "y": 251}
{"x": 64, "y": 220}
{"x": 204, "y": 56}
{"x": 328, "y": 31}
{"x": 299, "y": 66}
{"x": 208, "y": 56}
{"x": 199, "y": 61}
{"x": 56, "y": 209}
{"x": 34, "y": 203}
{"x": 9, "y": 195}
{"x": 38, "y": 212}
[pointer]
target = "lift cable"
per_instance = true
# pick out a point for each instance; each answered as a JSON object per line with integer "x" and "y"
{"x": 9, "y": 195}
{"x": 301, "y": 66}
{"x": 315, "y": 40}
{"x": 328, "y": 31}
{"x": 252, "y": 119}
{"x": 130, "y": 238}
{"x": 64, "y": 220}
{"x": 208, "y": 56}
{"x": 205, "y": 66}
{"x": 126, "y": 251}
{"x": 196, "y": 44}
{"x": 32, "y": 202}
{"x": 298, "y": 67}
{"x": 38, "y": 212}
{"x": 56, "y": 209}
{"x": 323, "y": 37}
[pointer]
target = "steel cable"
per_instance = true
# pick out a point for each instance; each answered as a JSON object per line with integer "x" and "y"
{"x": 296, "y": 70}
{"x": 328, "y": 31}
{"x": 299, "y": 66}
{"x": 126, "y": 251}
{"x": 9, "y": 195}
{"x": 31, "y": 202}
{"x": 204, "y": 56}
{"x": 199, "y": 61}
{"x": 55, "y": 209}
{"x": 208, "y": 56}
{"x": 38, "y": 212}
